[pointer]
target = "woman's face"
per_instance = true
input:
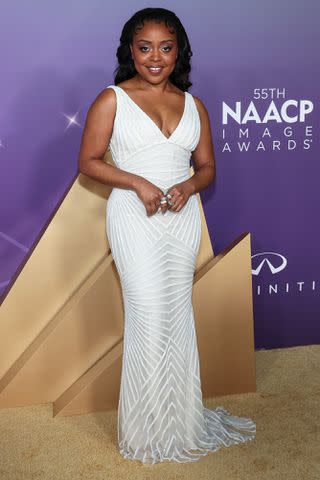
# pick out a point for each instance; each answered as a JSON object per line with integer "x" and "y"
{"x": 154, "y": 46}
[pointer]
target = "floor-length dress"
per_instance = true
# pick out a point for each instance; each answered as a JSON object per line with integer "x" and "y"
{"x": 160, "y": 414}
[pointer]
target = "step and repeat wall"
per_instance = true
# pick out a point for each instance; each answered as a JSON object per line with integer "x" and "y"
{"x": 255, "y": 66}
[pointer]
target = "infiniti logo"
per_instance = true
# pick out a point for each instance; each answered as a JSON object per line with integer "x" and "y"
{"x": 274, "y": 261}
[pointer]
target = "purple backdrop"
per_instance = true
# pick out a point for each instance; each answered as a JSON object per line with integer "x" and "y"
{"x": 256, "y": 68}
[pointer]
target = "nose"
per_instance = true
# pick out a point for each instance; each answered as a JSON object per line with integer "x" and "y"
{"x": 155, "y": 55}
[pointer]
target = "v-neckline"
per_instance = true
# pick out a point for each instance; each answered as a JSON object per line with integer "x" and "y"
{"x": 152, "y": 121}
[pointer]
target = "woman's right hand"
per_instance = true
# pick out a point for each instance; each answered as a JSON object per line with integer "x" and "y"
{"x": 150, "y": 195}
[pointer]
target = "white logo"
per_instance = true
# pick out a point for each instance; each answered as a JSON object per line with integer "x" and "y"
{"x": 274, "y": 266}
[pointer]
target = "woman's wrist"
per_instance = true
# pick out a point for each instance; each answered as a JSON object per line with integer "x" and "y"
{"x": 191, "y": 186}
{"x": 136, "y": 182}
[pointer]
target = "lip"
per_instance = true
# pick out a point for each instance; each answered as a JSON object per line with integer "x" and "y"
{"x": 155, "y": 72}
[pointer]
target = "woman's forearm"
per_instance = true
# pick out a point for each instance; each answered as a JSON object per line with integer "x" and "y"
{"x": 109, "y": 174}
{"x": 201, "y": 178}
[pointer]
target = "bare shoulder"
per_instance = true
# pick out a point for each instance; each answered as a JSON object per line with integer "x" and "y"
{"x": 105, "y": 101}
{"x": 200, "y": 106}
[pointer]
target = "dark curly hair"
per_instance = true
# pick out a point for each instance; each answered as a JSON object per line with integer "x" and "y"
{"x": 126, "y": 69}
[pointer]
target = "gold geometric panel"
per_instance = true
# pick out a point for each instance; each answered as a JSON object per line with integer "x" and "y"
{"x": 224, "y": 321}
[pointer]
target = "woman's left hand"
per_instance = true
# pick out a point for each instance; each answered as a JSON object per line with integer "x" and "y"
{"x": 180, "y": 193}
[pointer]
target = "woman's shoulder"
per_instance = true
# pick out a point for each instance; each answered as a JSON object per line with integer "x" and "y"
{"x": 200, "y": 105}
{"x": 104, "y": 102}
{"x": 198, "y": 101}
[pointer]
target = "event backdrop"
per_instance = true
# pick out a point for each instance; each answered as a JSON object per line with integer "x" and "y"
{"x": 255, "y": 66}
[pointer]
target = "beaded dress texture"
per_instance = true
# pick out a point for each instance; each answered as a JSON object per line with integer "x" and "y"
{"x": 161, "y": 416}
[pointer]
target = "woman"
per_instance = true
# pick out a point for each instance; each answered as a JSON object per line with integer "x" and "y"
{"x": 153, "y": 125}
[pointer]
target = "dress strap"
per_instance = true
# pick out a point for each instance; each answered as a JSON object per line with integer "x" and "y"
{"x": 114, "y": 87}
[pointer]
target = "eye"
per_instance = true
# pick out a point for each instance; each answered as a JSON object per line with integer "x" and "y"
{"x": 145, "y": 48}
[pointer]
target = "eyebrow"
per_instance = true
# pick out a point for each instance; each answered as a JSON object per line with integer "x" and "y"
{"x": 147, "y": 41}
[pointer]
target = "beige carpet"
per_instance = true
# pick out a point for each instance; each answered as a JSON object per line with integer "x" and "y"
{"x": 286, "y": 408}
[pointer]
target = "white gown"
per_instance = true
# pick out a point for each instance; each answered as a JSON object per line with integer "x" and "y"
{"x": 160, "y": 414}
